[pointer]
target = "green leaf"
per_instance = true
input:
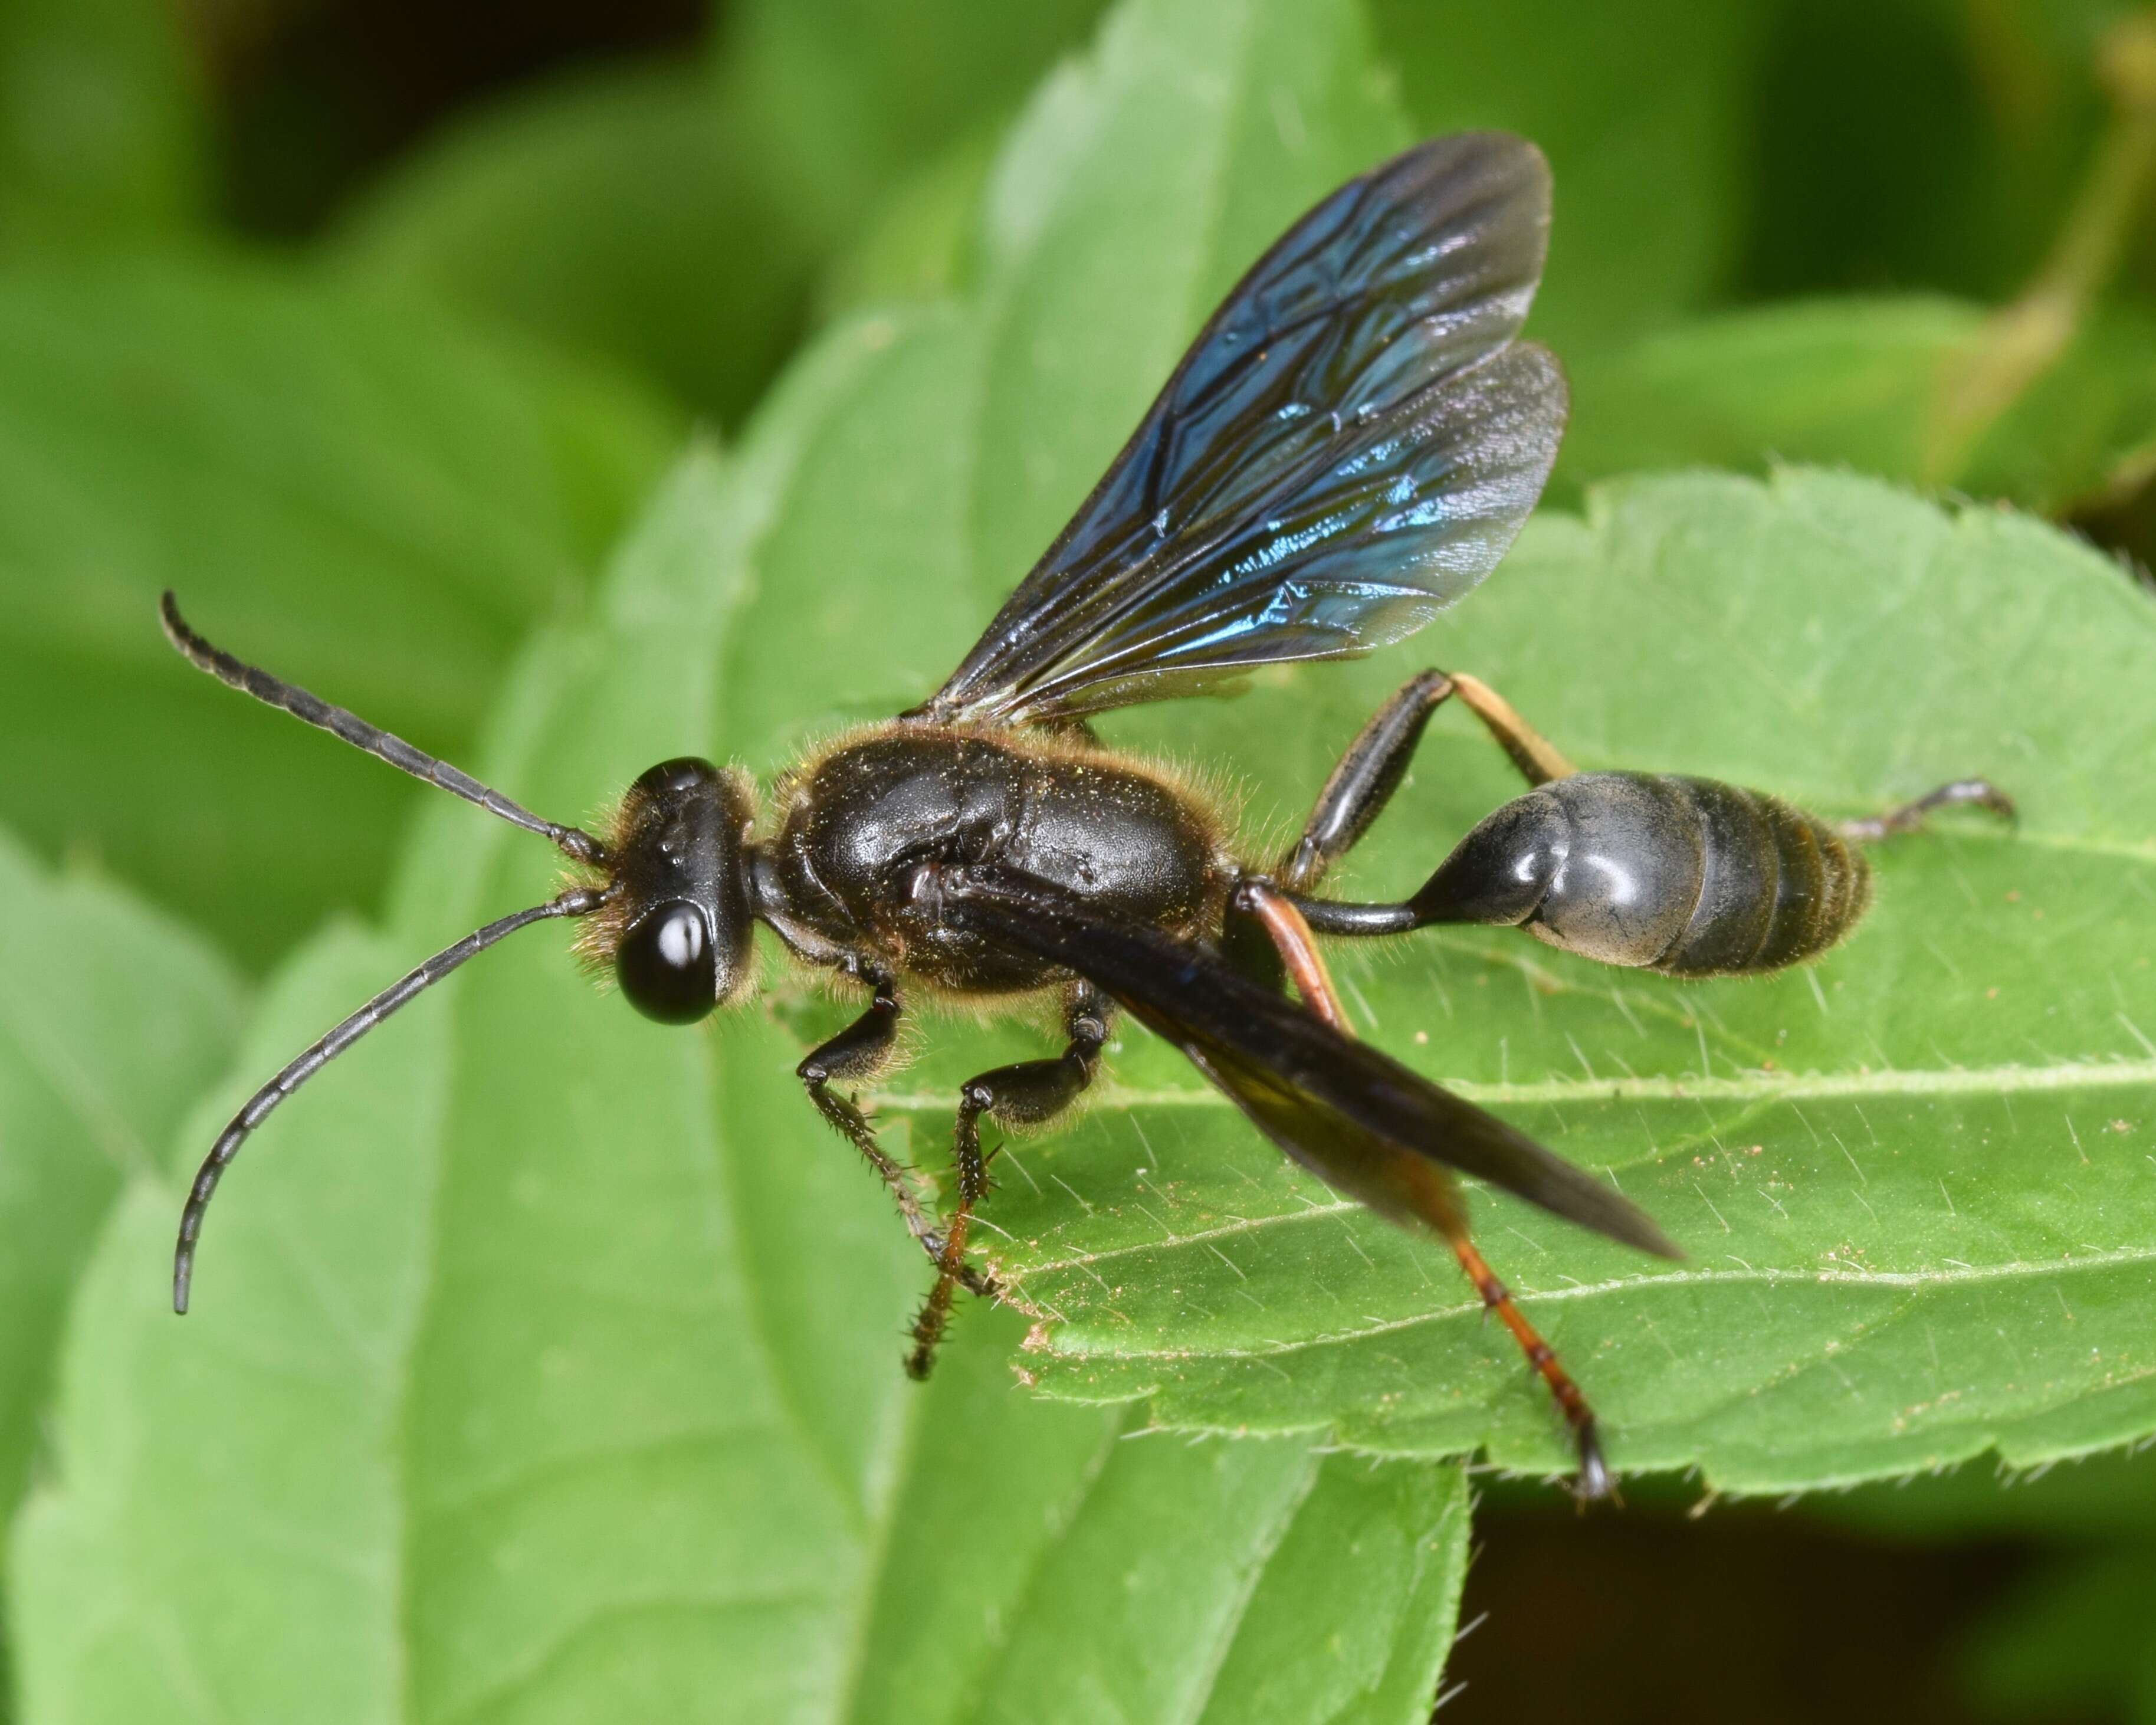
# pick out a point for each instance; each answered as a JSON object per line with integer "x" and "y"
{"x": 1913, "y": 1180}
{"x": 1956, "y": 139}
{"x": 1857, "y": 383}
{"x": 916, "y": 247}
{"x": 622, "y": 213}
{"x": 112, "y": 1019}
{"x": 1829, "y": 381}
{"x": 544, "y": 1365}
{"x": 338, "y": 484}
{"x": 102, "y": 135}
{"x": 1642, "y": 110}
{"x": 674, "y": 217}
{"x": 544, "y": 1362}
{"x": 844, "y": 95}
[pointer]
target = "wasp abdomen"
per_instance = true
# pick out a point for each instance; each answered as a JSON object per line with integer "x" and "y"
{"x": 1778, "y": 886}
{"x": 1689, "y": 876}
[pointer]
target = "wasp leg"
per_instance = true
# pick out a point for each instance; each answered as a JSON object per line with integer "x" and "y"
{"x": 1593, "y": 1481}
{"x": 1537, "y": 762}
{"x": 1277, "y": 915}
{"x": 856, "y": 1055}
{"x": 1354, "y": 795}
{"x": 1360, "y": 787}
{"x": 1025, "y": 1094}
{"x": 1911, "y": 815}
{"x": 1357, "y": 789}
{"x": 1292, "y": 945}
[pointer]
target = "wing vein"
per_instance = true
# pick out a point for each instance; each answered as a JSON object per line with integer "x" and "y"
{"x": 1349, "y": 445}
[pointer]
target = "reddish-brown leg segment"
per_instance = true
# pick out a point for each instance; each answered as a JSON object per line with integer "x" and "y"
{"x": 1593, "y": 1481}
{"x": 1537, "y": 761}
{"x": 973, "y": 1185}
{"x": 1297, "y": 947}
{"x": 1291, "y": 937}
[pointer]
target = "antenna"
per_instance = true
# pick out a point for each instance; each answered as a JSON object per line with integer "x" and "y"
{"x": 579, "y": 902}
{"x": 574, "y": 842}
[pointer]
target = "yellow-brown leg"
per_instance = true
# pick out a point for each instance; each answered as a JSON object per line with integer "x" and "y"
{"x": 1304, "y": 963}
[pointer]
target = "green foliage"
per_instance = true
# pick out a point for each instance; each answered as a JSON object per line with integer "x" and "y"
{"x": 2073, "y": 1635}
{"x": 112, "y": 1019}
{"x": 2077, "y": 1636}
{"x": 917, "y": 246}
{"x": 844, "y": 93}
{"x": 1860, "y": 381}
{"x": 1639, "y": 109}
{"x": 675, "y": 217}
{"x": 1865, "y": 1160}
{"x": 612, "y": 213}
{"x": 2111, "y": 1493}
{"x": 544, "y": 1362}
{"x": 101, "y": 133}
{"x": 367, "y": 495}
{"x": 1917, "y": 142}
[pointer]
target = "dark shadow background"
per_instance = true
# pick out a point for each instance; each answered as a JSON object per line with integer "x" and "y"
{"x": 316, "y": 97}
{"x": 1774, "y": 1616}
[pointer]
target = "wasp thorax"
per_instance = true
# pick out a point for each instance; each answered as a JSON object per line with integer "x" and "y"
{"x": 680, "y": 922}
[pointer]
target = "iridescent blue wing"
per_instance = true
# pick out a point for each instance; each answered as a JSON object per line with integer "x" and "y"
{"x": 1349, "y": 446}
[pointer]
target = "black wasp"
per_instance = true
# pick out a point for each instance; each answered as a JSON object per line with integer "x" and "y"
{"x": 1350, "y": 446}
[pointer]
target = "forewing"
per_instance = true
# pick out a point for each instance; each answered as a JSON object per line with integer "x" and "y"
{"x": 1358, "y": 1119}
{"x": 1349, "y": 445}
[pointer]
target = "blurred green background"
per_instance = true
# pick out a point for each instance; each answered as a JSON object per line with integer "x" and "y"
{"x": 369, "y": 324}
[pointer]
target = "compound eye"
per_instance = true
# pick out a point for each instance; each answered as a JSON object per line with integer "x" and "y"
{"x": 666, "y": 964}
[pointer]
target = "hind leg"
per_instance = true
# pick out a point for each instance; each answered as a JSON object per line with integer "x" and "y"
{"x": 1360, "y": 787}
{"x": 1354, "y": 796}
{"x": 1910, "y": 816}
{"x": 1290, "y": 936}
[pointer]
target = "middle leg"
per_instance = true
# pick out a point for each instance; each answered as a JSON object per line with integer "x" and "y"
{"x": 1025, "y": 1094}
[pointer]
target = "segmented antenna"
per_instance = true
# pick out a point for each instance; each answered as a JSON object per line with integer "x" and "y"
{"x": 251, "y": 679}
{"x": 579, "y": 902}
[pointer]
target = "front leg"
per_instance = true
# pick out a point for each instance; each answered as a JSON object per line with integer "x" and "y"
{"x": 1026, "y": 1094}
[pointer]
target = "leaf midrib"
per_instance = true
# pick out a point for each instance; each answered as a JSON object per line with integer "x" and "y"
{"x": 1918, "y": 1282}
{"x": 1763, "y": 1087}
